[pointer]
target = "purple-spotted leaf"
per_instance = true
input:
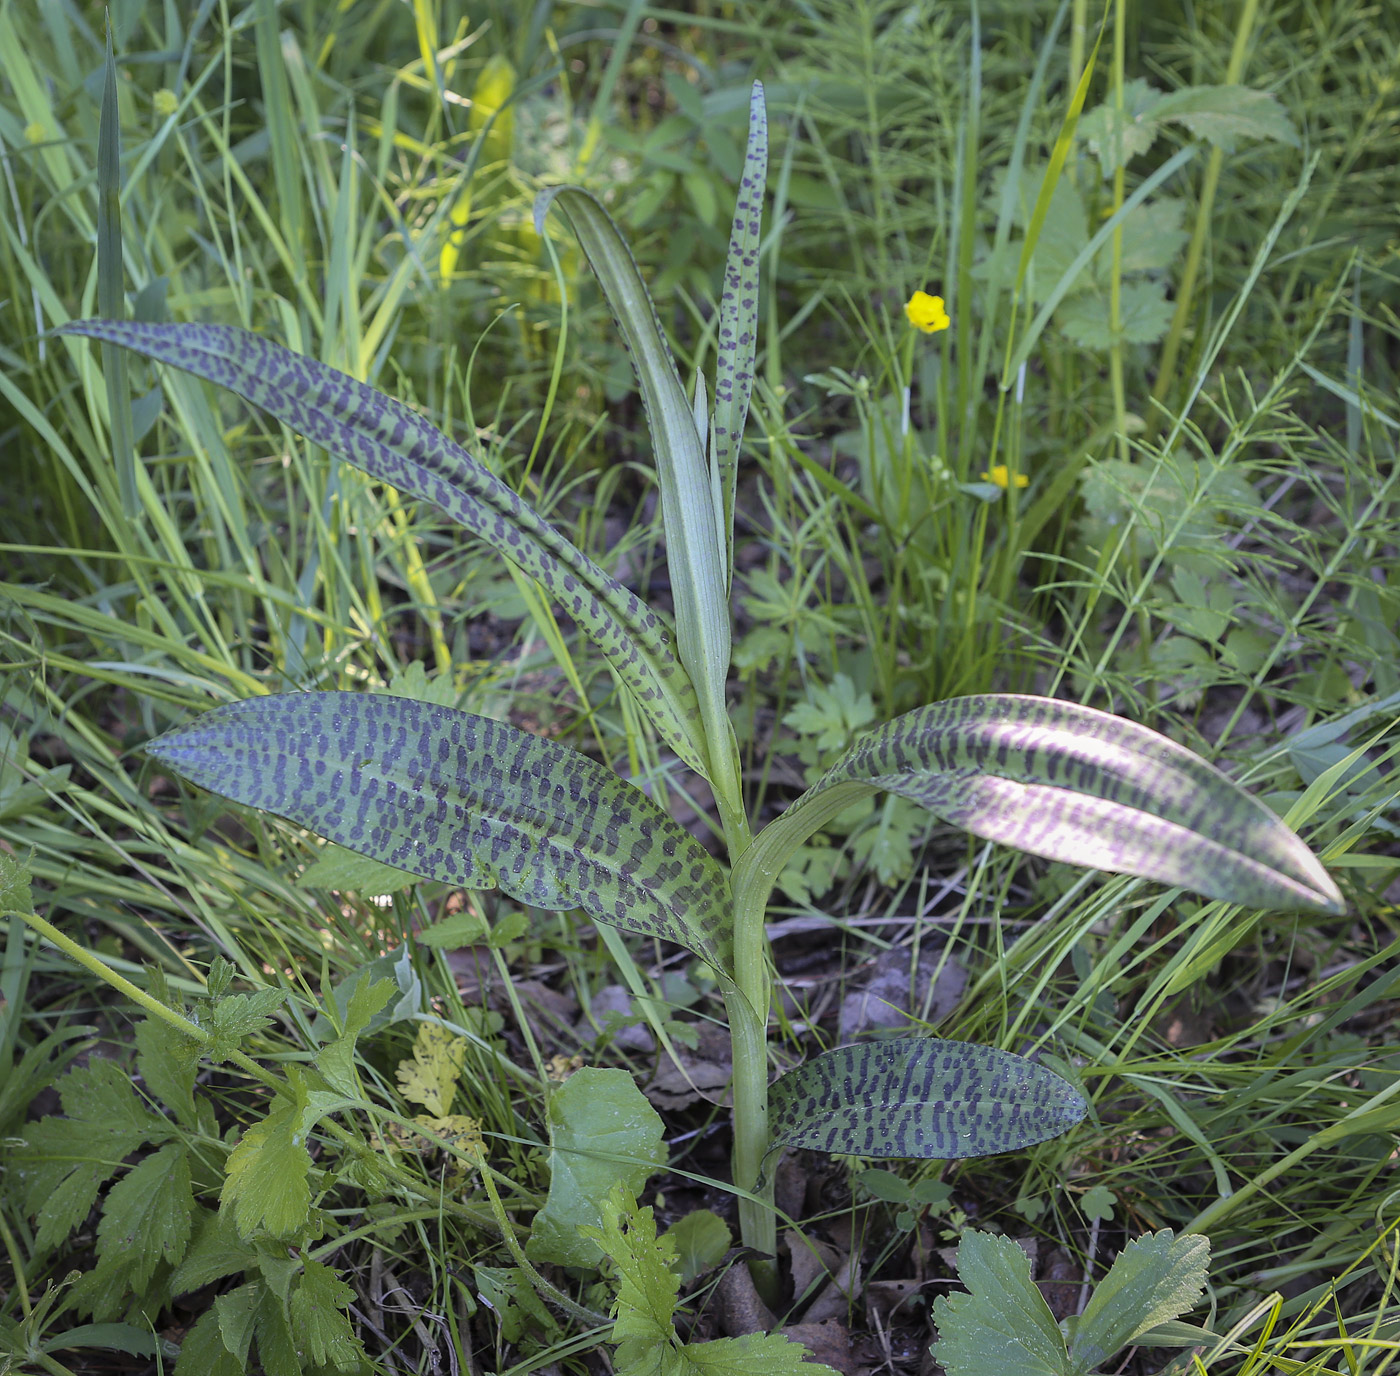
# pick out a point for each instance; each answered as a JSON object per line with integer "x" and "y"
{"x": 738, "y": 314}
{"x": 918, "y": 1097}
{"x": 396, "y": 445}
{"x": 1067, "y": 783}
{"x": 464, "y": 800}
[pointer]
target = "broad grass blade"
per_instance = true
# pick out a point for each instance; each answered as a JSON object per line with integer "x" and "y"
{"x": 699, "y": 583}
{"x": 463, "y": 800}
{"x": 1070, "y": 783}
{"x": 397, "y": 446}
{"x": 919, "y": 1097}
{"x": 738, "y": 319}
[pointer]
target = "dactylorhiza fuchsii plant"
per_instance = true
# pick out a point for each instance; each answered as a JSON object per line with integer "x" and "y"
{"x": 475, "y": 802}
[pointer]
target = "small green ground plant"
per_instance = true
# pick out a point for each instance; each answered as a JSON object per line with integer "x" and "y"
{"x": 475, "y": 802}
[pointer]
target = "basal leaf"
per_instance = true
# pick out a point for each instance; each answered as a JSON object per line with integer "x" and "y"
{"x": 318, "y": 1321}
{"x": 602, "y": 1131}
{"x": 1002, "y": 1326}
{"x": 393, "y": 443}
{"x": 147, "y": 1216}
{"x": 461, "y": 799}
{"x": 1224, "y": 114}
{"x": 738, "y": 316}
{"x": 204, "y": 1353}
{"x": 920, "y": 1097}
{"x": 1067, "y": 783}
{"x": 430, "y": 1076}
{"x": 1154, "y": 1279}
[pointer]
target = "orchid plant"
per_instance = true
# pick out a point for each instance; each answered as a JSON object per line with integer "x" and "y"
{"x": 478, "y": 803}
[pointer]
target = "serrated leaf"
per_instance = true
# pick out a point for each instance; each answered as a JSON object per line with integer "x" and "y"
{"x": 602, "y": 1131}
{"x": 343, "y": 870}
{"x": 215, "y": 1251}
{"x": 204, "y": 1353}
{"x": 396, "y": 445}
{"x": 701, "y": 1240}
{"x": 465, "y": 800}
{"x": 1002, "y": 1326}
{"x": 277, "y": 1347}
{"x": 336, "y": 1060}
{"x": 266, "y": 1188}
{"x": 318, "y": 1322}
{"x": 1225, "y": 114}
{"x": 755, "y": 1354}
{"x": 919, "y": 1097}
{"x": 430, "y": 1076}
{"x": 64, "y": 1161}
{"x": 455, "y": 931}
{"x": 738, "y": 318}
{"x": 237, "y": 1313}
{"x": 147, "y": 1215}
{"x": 1115, "y": 138}
{"x": 1155, "y": 1278}
{"x": 113, "y": 1337}
{"x": 1067, "y": 783}
{"x": 236, "y": 1016}
{"x": 1152, "y": 237}
{"x": 1143, "y": 316}
{"x": 169, "y": 1061}
{"x": 15, "y": 895}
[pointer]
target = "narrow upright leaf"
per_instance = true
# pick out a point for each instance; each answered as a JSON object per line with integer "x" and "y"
{"x": 464, "y": 800}
{"x": 919, "y": 1097}
{"x": 1068, "y": 783}
{"x": 699, "y": 582}
{"x": 396, "y": 445}
{"x": 738, "y": 318}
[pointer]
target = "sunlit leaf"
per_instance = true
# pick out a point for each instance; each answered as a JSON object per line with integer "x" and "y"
{"x": 462, "y": 799}
{"x": 1068, "y": 783}
{"x": 920, "y": 1097}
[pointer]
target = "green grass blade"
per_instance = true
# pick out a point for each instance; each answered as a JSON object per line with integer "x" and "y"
{"x": 110, "y": 276}
{"x": 463, "y": 800}
{"x": 1068, "y": 783}
{"x": 738, "y": 319}
{"x": 698, "y": 580}
{"x": 919, "y": 1097}
{"x": 397, "y": 446}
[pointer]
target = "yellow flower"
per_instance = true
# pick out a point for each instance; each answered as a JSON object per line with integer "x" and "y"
{"x": 926, "y": 312}
{"x": 1001, "y": 476}
{"x": 35, "y": 132}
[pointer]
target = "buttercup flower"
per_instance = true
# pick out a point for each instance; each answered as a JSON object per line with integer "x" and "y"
{"x": 926, "y": 312}
{"x": 1001, "y": 476}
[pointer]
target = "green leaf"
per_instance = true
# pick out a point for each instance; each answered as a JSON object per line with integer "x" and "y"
{"x": 1098, "y": 1204}
{"x": 277, "y": 1347}
{"x": 455, "y": 931}
{"x": 147, "y": 1215}
{"x": 318, "y": 1322}
{"x": 64, "y": 1161}
{"x": 237, "y": 1313}
{"x": 266, "y": 1188}
{"x": 602, "y": 1131}
{"x": 1116, "y": 139}
{"x": 336, "y": 1060}
{"x": 236, "y": 1016}
{"x": 1002, "y": 1326}
{"x": 169, "y": 1062}
{"x": 203, "y": 1353}
{"x": 215, "y": 1251}
{"x": 920, "y": 1097}
{"x": 738, "y": 319}
{"x": 1143, "y": 316}
{"x": 1225, "y": 114}
{"x": 113, "y": 1337}
{"x": 1155, "y": 1278}
{"x": 698, "y": 574}
{"x": 15, "y": 877}
{"x": 465, "y": 800}
{"x": 393, "y": 443}
{"x": 343, "y": 870}
{"x": 700, "y": 1240}
{"x": 1067, "y": 783}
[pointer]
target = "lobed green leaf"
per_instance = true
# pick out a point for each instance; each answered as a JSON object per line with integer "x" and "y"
{"x": 1068, "y": 783}
{"x": 920, "y": 1097}
{"x": 464, "y": 800}
{"x": 396, "y": 445}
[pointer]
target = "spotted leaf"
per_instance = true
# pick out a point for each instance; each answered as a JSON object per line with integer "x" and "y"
{"x": 394, "y": 444}
{"x": 464, "y": 800}
{"x": 921, "y": 1098}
